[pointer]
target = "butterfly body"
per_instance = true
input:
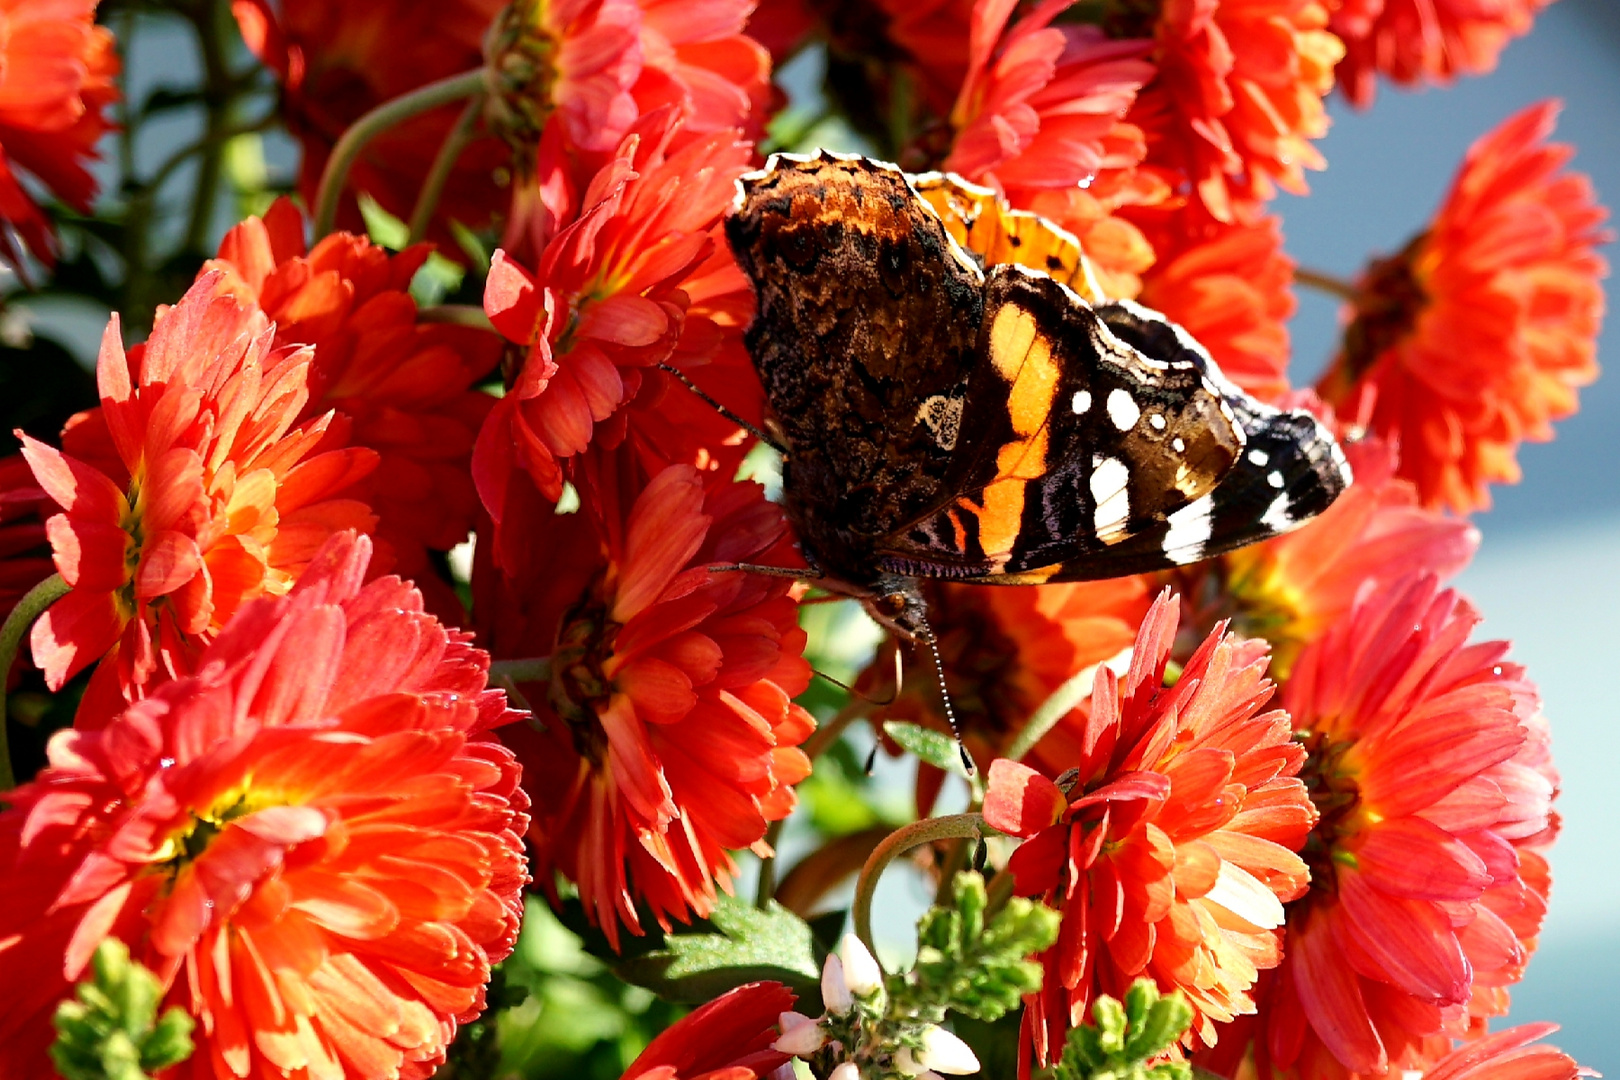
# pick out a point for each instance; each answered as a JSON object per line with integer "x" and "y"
{"x": 948, "y": 419}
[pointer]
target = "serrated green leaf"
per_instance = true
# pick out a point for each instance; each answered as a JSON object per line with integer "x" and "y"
{"x": 747, "y": 945}
{"x": 940, "y": 751}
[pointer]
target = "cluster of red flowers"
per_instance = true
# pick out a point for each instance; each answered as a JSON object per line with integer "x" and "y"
{"x": 1297, "y": 792}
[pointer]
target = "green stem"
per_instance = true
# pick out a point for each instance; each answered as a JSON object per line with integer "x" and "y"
{"x": 828, "y": 733}
{"x": 427, "y": 200}
{"x": 765, "y": 889}
{"x": 1333, "y": 286}
{"x": 897, "y": 843}
{"x": 1073, "y": 691}
{"x": 218, "y": 84}
{"x": 29, "y": 608}
{"x": 373, "y": 123}
{"x": 457, "y": 314}
{"x": 529, "y": 669}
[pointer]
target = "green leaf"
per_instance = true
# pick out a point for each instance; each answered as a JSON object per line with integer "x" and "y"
{"x": 1122, "y": 1039}
{"x": 747, "y": 945}
{"x": 111, "y": 1031}
{"x": 971, "y": 965}
{"x": 940, "y": 751}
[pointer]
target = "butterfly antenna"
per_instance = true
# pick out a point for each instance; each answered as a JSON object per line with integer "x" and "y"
{"x": 945, "y": 696}
{"x": 721, "y": 409}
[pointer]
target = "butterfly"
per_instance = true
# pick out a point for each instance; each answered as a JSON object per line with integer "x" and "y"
{"x": 955, "y": 400}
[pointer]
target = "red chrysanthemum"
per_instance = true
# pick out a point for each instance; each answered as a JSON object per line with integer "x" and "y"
{"x": 696, "y": 57}
{"x": 671, "y": 735}
{"x": 336, "y": 62}
{"x": 1291, "y": 589}
{"x": 307, "y": 841}
{"x": 641, "y": 278}
{"x": 1428, "y": 764}
{"x": 1508, "y": 1055}
{"x": 402, "y": 388}
{"x": 1230, "y": 286}
{"x": 1237, "y": 100}
{"x": 188, "y": 491}
{"x": 1423, "y": 41}
{"x": 1477, "y": 335}
{"x": 1005, "y": 651}
{"x": 1171, "y": 851}
{"x": 24, "y": 550}
{"x": 57, "y": 71}
{"x": 728, "y": 1038}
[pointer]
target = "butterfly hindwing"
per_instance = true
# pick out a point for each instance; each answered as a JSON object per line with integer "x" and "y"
{"x": 866, "y": 333}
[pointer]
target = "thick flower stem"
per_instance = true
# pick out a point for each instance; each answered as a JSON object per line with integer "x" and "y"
{"x": 897, "y": 843}
{"x": 373, "y": 123}
{"x": 1070, "y": 693}
{"x": 1334, "y": 286}
{"x": 427, "y": 200}
{"x": 29, "y": 608}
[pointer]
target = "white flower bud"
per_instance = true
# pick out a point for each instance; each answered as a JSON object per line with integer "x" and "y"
{"x": 834, "y": 990}
{"x": 801, "y": 1036}
{"x": 861, "y": 973}
{"x": 943, "y": 1052}
{"x": 847, "y": 1071}
{"x": 905, "y": 1064}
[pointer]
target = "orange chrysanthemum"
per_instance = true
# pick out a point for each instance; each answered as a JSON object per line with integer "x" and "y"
{"x": 56, "y": 79}
{"x": 402, "y": 388}
{"x": 1291, "y": 589}
{"x": 696, "y": 57}
{"x": 1424, "y": 41}
{"x": 1231, "y": 287}
{"x": 640, "y": 279}
{"x": 1428, "y": 764}
{"x": 1005, "y": 651}
{"x": 1477, "y": 335}
{"x": 308, "y": 841}
{"x": 671, "y": 735}
{"x": 187, "y": 492}
{"x": 1172, "y": 850}
{"x": 338, "y": 61}
{"x": 728, "y": 1038}
{"x": 1237, "y": 99}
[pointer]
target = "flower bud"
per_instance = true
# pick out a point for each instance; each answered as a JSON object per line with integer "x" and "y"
{"x": 945, "y": 1053}
{"x": 861, "y": 973}
{"x": 801, "y": 1036}
{"x": 847, "y": 1071}
{"x": 834, "y": 990}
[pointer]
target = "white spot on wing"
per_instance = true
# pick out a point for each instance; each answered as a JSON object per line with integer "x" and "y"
{"x": 1157, "y": 421}
{"x": 1109, "y": 482}
{"x": 1189, "y": 531}
{"x": 1260, "y": 458}
{"x": 1275, "y": 479}
{"x": 1177, "y": 445}
{"x": 943, "y": 415}
{"x": 1082, "y": 401}
{"x": 1123, "y": 410}
{"x": 1278, "y": 518}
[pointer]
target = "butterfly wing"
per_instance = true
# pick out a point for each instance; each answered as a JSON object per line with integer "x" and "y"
{"x": 865, "y": 337}
{"x": 1106, "y": 442}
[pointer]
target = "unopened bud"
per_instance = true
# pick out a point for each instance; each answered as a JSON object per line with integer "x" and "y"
{"x": 847, "y": 1071}
{"x": 861, "y": 973}
{"x": 801, "y": 1036}
{"x": 945, "y": 1053}
{"x": 834, "y": 990}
